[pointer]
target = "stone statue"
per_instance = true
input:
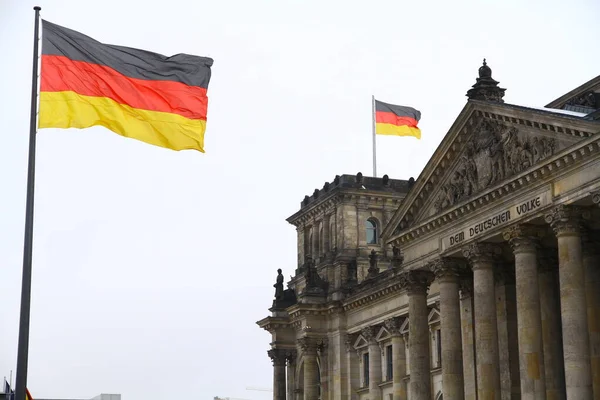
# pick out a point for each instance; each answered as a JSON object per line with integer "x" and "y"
{"x": 279, "y": 285}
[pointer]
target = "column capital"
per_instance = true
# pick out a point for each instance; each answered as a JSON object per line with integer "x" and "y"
{"x": 369, "y": 334}
{"x": 416, "y": 281}
{"x": 312, "y": 344}
{"x": 481, "y": 253}
{"x": 566, "y": 220}
{"x": 278, "y": 357}
{"x": 393, "y": 325}
{"x": 445, "y": 268}
{"x": 523, "y": 238}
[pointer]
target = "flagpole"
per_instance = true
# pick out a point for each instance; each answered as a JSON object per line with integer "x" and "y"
{"x": 23, "y": 347}
{"x": 374, "y": 140}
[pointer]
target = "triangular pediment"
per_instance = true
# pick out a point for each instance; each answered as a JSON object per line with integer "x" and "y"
{"x": 360, "y": 342}
{"x": 433, "y": 317}
{"x": 488, "y": 144}
{"x": 584, "y": 98}
{"x": 404, "y": 327}
{"x": 383, "y": 334}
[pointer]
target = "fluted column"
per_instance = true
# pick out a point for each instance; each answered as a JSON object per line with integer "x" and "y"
{"x": 311, "y": 385}
{"x": 524, "y": 241}
{"x": 481, "y": 257}
{"x": 468, "y": 340}
{"x": 566, "y": 223}
{"x": 278, "y": 356}
{"x": 591, "y": 264}
{"x": 398, "y": 358}
{"x": 447, "y": 274}
{"x": 417, "y": 283}
{"x": 374, "y": 363}
{"x": 551, "y": 330}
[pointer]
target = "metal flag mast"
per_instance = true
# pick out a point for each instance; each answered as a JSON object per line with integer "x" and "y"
{"x": 23, "y": 347}
{"x": 374, "y": 140}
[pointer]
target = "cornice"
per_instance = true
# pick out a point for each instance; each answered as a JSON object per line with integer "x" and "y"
{"x": 461, "y": 131}
{"x": 274, "y": 323}
{"x": 589, "y": 85}
{"x": 382, "y": 289}
{"x": 551, "y": 167}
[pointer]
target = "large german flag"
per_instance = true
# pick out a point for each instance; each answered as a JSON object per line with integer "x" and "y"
{"x": 396, "y": 120}
{"x": 138, "y": 94}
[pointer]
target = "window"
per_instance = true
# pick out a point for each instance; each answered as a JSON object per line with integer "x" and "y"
{"x": 321, "y": 240}
{"x": 310, "y": 243}
{"x": 371, "y": 231}
{"x": 389, "y": 374}
{"x": 332, "y": 234}
{"x": 366, "y": 369}
{"x": 438, "y": 343}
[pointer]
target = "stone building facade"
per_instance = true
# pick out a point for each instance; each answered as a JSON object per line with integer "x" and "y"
{"x": 479, "y": 280}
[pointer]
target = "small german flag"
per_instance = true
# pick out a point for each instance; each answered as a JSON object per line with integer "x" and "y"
{"x": 396, "y": 120}
{"x": 136, "y": 93}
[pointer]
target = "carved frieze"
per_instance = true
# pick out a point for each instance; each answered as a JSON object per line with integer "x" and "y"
{"x": 585, "y": 100}
{"x": 496, "y": 152}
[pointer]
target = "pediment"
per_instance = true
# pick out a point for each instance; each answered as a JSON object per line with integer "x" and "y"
{"x": 488, "y": 144}
{"x": 433, "y": 317}
{"x": 404, "y": 327}
{"x": 360, "y": 342}
{"x": 585, "y": 98}
{"x": 383, "y": 334}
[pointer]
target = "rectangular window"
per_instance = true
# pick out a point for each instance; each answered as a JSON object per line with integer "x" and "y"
{"x": 389, "y": 364}
{"x": 438, "y": 342}
{"x": 366, "y": 369}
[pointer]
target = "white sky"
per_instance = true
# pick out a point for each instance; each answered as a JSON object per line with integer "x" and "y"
{"x": 151, "y": 266}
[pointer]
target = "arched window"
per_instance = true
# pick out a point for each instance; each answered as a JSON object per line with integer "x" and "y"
{"x": 371, "y": 227}
{"x": 321, "y": 239}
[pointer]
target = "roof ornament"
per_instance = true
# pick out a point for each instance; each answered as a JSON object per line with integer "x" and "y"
{"x": 485, "y": 87}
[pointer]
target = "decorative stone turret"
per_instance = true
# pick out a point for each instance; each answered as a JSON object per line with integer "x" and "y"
{"x": 486, "y": 88}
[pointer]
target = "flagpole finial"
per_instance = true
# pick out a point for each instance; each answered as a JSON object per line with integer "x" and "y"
{"x": 37, "y": 8}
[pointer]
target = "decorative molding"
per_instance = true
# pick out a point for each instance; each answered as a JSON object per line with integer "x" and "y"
{"x": 523, "y": 238}
{"x": 551, "y": 166}
{"x": 393, "y": 326}
{"x": 566, "y": 220}
{"x": 481, "y": 253}
{"x": 445, "y": 269}
{"x": 417, "y": 281}
{"x": 495, "y": 153}
{"x": 278, "y": 357}
{"x": 369, "y": 334}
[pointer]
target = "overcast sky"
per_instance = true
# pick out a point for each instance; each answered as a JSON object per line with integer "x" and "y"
{"x": 151, "y": 266}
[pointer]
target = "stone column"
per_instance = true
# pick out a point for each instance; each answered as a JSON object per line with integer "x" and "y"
{"x": 591, "y": 264}
{"x": 417, "y": 283}
{"x": 551, "y": 330}
{"x": 290, "y": 358}
{"x": 481, "y": 257}
{"x": 398, "y": 358}
{"x": 524, "y": 241}
{"x": 369, "y": 334}
{"x": 566, "y": 223}
{"x": 353, "y": 368}
{"x": 278, "y": 357}
{"x": 311, "y": 385}
{"x": 468, "y": 340}
{"x": 323, "y": 358}
{"x": 447, "y": 274}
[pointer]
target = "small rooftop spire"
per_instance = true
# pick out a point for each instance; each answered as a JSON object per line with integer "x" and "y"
{"x": 485, "y": 87}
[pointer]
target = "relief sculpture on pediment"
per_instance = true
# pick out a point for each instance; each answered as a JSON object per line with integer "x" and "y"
{"x": 496, "y": 152}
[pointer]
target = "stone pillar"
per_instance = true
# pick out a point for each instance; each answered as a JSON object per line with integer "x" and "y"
{"x": 290, "y": 358}
{"x": 278, "y": 357}
{"x": 315, "y": 242}
{"x": 353, "y": 368}
{"x": 468, "y": 341}
{"x": 591, "y": 264}
{"x": 311, "y": 385}
{"x": 481, "y": 257}
{"x": 374, "y": 363}
{"x": 524, "y": 241}
{"x": 551, "y": 330}
{"x": 417, "y": 283}
{"x": 398, "y": 358}
{"x": 323, "y": 358}
{"x": 566, "y": 223}
{"x": 447, "y": 274}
